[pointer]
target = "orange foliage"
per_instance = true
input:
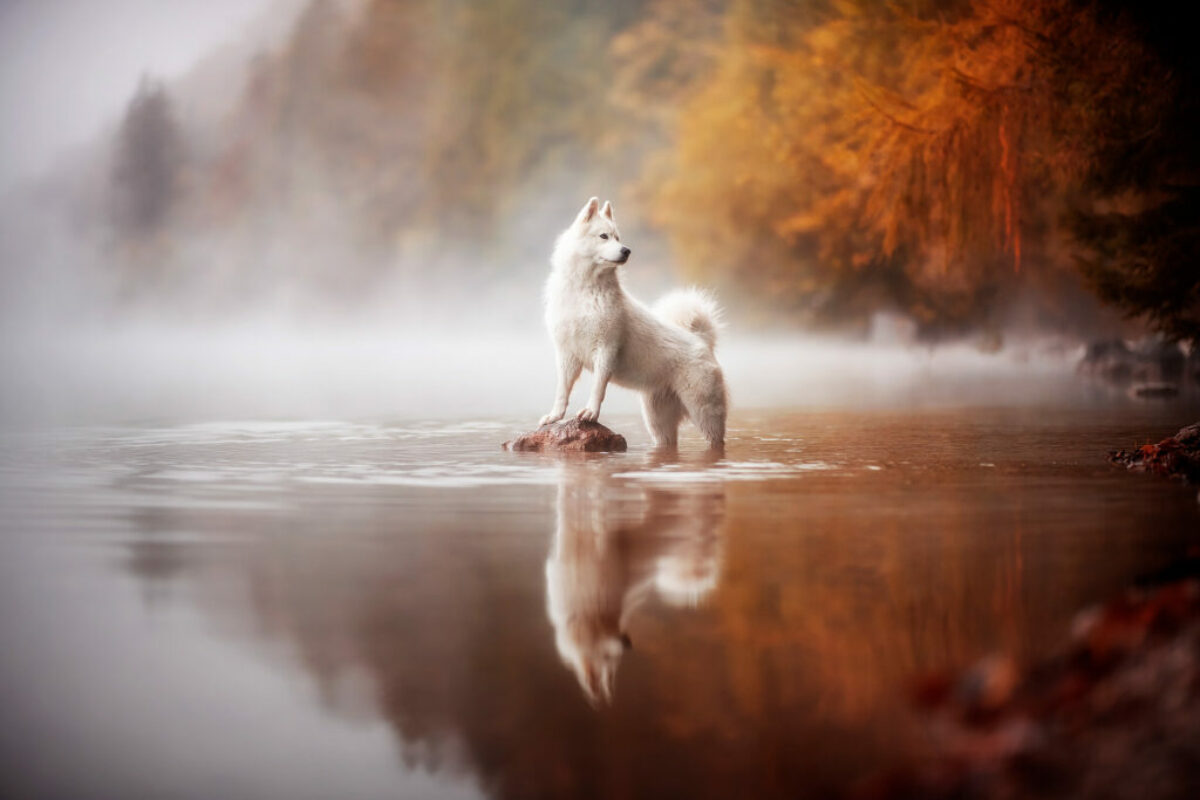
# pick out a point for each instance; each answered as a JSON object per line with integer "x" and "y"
{"x": 910, "y": 156}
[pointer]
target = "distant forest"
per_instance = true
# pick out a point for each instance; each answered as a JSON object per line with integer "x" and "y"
{"x": 813, "y": 161}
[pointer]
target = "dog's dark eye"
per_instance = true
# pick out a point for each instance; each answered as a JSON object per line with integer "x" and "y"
{"x": 604, "y": 236}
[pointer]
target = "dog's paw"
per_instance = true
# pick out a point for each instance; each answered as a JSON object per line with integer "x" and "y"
{"x": 549, "y": 418}
{"x": 587, "y": 415}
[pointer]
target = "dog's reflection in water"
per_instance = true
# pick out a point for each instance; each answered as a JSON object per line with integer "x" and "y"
{"x": 615, "y": 544}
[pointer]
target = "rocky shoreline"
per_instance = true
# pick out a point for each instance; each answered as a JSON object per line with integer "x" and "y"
{"x": 1149, "y": 368}
{"x": 1176, "y": 456}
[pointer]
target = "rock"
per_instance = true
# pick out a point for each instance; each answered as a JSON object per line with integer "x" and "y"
{"x": 1164, "y": 360}
{"x": 1111, "y": 360}
{"x": 1175, "y": 456}
{"x": 570, "y": 436}
{"x": 986, "y": 686}
{"x": 1153, "y": 390}
{"x": 1150, "y": 361}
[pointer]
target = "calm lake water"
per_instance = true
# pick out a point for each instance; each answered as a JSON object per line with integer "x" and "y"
{"x": 320, "y": 610}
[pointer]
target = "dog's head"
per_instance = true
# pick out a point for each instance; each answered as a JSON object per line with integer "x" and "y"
{"x": 593, "y": 651}
{"x": 592, "y": 240}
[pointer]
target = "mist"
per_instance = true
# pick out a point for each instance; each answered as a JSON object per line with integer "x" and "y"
{"x": 152, "y": 372}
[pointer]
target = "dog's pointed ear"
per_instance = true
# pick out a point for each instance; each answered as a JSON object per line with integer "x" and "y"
{"x": 607, "y": 210}
{"x": 589, "y": 211}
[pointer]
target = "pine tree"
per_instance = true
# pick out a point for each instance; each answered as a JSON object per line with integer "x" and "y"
{"x": 146, "y": 163}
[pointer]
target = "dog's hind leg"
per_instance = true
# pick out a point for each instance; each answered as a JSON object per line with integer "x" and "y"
{"x": 706, "y": 406}
{"x": 662, "y": 412}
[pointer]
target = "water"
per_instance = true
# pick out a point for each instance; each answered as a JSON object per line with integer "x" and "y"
{"x": 325, "y": 609}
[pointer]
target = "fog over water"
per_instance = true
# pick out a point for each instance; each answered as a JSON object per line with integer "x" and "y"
{"x": 160, "y": 372}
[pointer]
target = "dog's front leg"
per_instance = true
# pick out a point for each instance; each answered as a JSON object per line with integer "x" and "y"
{"x": 568, "y": 372}
{"x": 602, "y": 368}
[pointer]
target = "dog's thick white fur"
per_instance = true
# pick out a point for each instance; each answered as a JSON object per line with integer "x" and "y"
{"x": 666, "y": 353}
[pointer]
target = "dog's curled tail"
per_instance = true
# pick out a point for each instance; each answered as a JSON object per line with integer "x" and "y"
{"x": 693, "y": 310}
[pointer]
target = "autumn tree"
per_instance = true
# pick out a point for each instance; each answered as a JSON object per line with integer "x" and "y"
{"x": 1144, "y": 260}
{"x": 397, "y": 123}
{"x": 520, "y": 86}
{"x": 1139, "y": 222}
{"x": 922, "y": 155}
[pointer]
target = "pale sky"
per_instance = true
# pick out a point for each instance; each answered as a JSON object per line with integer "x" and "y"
{"x": 68, "y": 67}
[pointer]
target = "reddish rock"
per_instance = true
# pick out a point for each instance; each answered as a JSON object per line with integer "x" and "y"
{"x": 570, "y": 436}
{"x": 1176, "y": 456}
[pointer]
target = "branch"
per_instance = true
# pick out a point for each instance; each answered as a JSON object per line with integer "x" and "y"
{"x": 1016, "y": 23}
{"x": 975, "y": 83}
{"x": 891, "y": 117}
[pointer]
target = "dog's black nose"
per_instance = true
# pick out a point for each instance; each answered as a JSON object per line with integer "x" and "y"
{"x": 625, "y": 251}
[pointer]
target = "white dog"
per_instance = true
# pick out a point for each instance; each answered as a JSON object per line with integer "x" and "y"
{"x": 666, "y": 352}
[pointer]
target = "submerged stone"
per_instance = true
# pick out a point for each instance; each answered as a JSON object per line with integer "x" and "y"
{"x": 570, "y": 435}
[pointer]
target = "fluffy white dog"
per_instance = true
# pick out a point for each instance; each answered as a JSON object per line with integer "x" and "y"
{"x": 666, "y": 352}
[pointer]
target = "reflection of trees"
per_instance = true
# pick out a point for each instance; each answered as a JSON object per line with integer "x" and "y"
{"x": 155, "y": 561}
{"x": 862, "y": 608}
{"x": 432, "y": 613}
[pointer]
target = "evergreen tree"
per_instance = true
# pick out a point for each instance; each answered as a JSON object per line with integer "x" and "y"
{"x": 147, "y": 162}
